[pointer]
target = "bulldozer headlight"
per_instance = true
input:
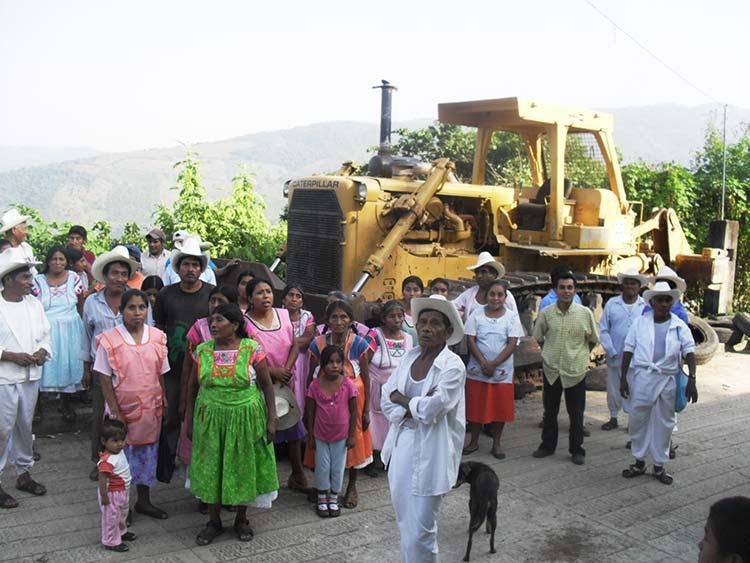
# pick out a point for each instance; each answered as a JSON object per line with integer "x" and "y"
{"x": 286, "y": 188}
{"x": 360, "y": 193}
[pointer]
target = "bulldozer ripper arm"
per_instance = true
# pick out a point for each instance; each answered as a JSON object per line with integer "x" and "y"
{"x": 441, "y": 169}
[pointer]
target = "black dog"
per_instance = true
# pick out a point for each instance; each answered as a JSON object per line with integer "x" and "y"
{"x": 482, "y": 498}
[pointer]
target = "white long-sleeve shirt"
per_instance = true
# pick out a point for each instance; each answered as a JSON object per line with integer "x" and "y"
{"x": 615, "y": 324}
{"x": 24, "y": 328}
{"x": 440, "y": 421}
{"x": 640, "y": 341}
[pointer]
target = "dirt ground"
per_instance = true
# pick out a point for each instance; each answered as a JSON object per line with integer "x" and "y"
{"x": 549, "y": 509}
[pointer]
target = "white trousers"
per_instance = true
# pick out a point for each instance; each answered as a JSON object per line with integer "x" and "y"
{"x": 416, "y": 515}
{"x": 652, "y": 417}
{"x": 17, "y": 402}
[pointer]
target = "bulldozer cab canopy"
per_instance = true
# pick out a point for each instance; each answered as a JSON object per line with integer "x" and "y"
{"x": 522, "y": 116}
{"x": 534, "y": 121}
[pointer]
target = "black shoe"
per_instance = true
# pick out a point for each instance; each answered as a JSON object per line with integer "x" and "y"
{"x": 611, "y": 424}
{"x": 578, "y": 459}
{"x": 122, "y": 548}
{"x": 128, "y": 536}
{"x": 672, "y": 450}
{"x": 541, "y": 452}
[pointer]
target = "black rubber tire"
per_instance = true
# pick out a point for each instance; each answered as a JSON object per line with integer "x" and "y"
{"x": 706, "y": 339}
{"x": 724, "y": 334}
{"x": 734, "y": 339}
{"x": 722, "y": 322}
{"x": 742, "y": 322}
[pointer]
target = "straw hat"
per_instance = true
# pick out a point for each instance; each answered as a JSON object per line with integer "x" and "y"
{"x": 12, "y": 218}
{"x": 661, "y": 288}
{"x": 286, "y": 407}
{"x": 632, "y": 274}
{"x": 13, "y": 259}
{"x": 667, "y": 273}
{"x": 486, "y": 259}
{"x": 441, "y": 304}
{"x": 117, "y": 254}
{"x": 191, "y": 246}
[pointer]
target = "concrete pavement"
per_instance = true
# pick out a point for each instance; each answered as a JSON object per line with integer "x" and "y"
{"x": 549, "y": 509}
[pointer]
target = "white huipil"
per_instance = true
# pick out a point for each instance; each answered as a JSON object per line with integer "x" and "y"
{"x": 655, "y": 363}
{"x": 423, "y": 452}
{"x": 614, "y": 325}
{"x": 466, "y": 303}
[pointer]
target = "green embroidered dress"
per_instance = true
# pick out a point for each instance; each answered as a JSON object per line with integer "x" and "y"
{"x": 231, "y": 463}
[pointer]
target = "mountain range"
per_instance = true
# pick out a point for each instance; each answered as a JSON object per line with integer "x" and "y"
{"x": 84, "y": 185}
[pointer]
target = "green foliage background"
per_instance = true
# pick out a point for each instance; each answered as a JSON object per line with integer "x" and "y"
{"x": 235, "y": 225}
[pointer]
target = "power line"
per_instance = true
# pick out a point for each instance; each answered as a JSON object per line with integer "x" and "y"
{"x": 652, "y": 54}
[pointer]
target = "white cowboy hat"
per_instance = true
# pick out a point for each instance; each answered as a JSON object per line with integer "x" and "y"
{"x": 441, "y": 304}
{"x": 179, "y": 237}
{"x": 486, "y": 259}
{"x": 12, "y": 218}
{"x": 661, "y": 288}
{"x": 191, "y": 246}
{"x": 13, "y": 259}
{"x": 286, "y": 407}
{"x": 633, "y": 274}
{"x": 117, "y": 254}
{"x": 667, "y": 273}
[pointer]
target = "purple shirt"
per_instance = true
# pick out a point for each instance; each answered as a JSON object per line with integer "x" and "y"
{"x": 332, "y": 411}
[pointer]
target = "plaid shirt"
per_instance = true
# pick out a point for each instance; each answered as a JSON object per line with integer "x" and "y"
{"x": 566, "y": 337}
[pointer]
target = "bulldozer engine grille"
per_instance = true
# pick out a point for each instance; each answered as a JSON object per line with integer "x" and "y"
{"x": 314, "y": 237}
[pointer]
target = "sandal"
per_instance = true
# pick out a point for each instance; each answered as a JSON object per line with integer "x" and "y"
{"x": 673, "y": 450}
{"x": 28, "y": 485}
{"x": 122, "y": 548}
{"x": 333, "y": 508}
{"x": 243, "y": 530}
{"x": 209, "y": 533}
{"x": 634, "y": 471}
{"x": 7, "y": 501}
{"x": 351, "y": 499}
{"x": 151, "y": 511}
{"x": 470, "y": 449}
{"x": 497, "y": 454}
{"x": 662, "y": 476}
{"x": 322, "y": 510}
{"x": 128, "y": 536}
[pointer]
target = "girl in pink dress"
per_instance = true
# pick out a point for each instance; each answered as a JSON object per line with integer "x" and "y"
{"x": 392, "y": 344}
{"x": 303, "y": 322}
{"x": 273, "y": 329}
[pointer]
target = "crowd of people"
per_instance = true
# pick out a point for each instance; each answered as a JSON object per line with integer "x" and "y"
{"x": 182, "y": 371}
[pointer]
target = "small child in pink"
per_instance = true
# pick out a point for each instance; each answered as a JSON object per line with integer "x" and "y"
{"x": 114, "y": 486}
{"x": 331, "y": 413}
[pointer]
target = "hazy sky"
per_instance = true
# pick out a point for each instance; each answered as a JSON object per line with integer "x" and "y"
{"x": 138, "y": 74}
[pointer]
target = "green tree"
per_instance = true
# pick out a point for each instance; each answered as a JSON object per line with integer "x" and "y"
{"x": 236, "y": 226}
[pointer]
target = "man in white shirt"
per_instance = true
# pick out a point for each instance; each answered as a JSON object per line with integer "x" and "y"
{"x": 619, "y": 313}
{"x": 24, "y": 347}
{"x": 154, "y": 262}
{"x": 15, "y": 228}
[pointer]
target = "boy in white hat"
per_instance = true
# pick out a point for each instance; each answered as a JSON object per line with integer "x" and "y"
{"x": 654, "y": 346}
{"x": 619, "y": 313}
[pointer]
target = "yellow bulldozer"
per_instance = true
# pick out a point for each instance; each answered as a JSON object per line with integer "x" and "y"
{"x": 366, "y": 233}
